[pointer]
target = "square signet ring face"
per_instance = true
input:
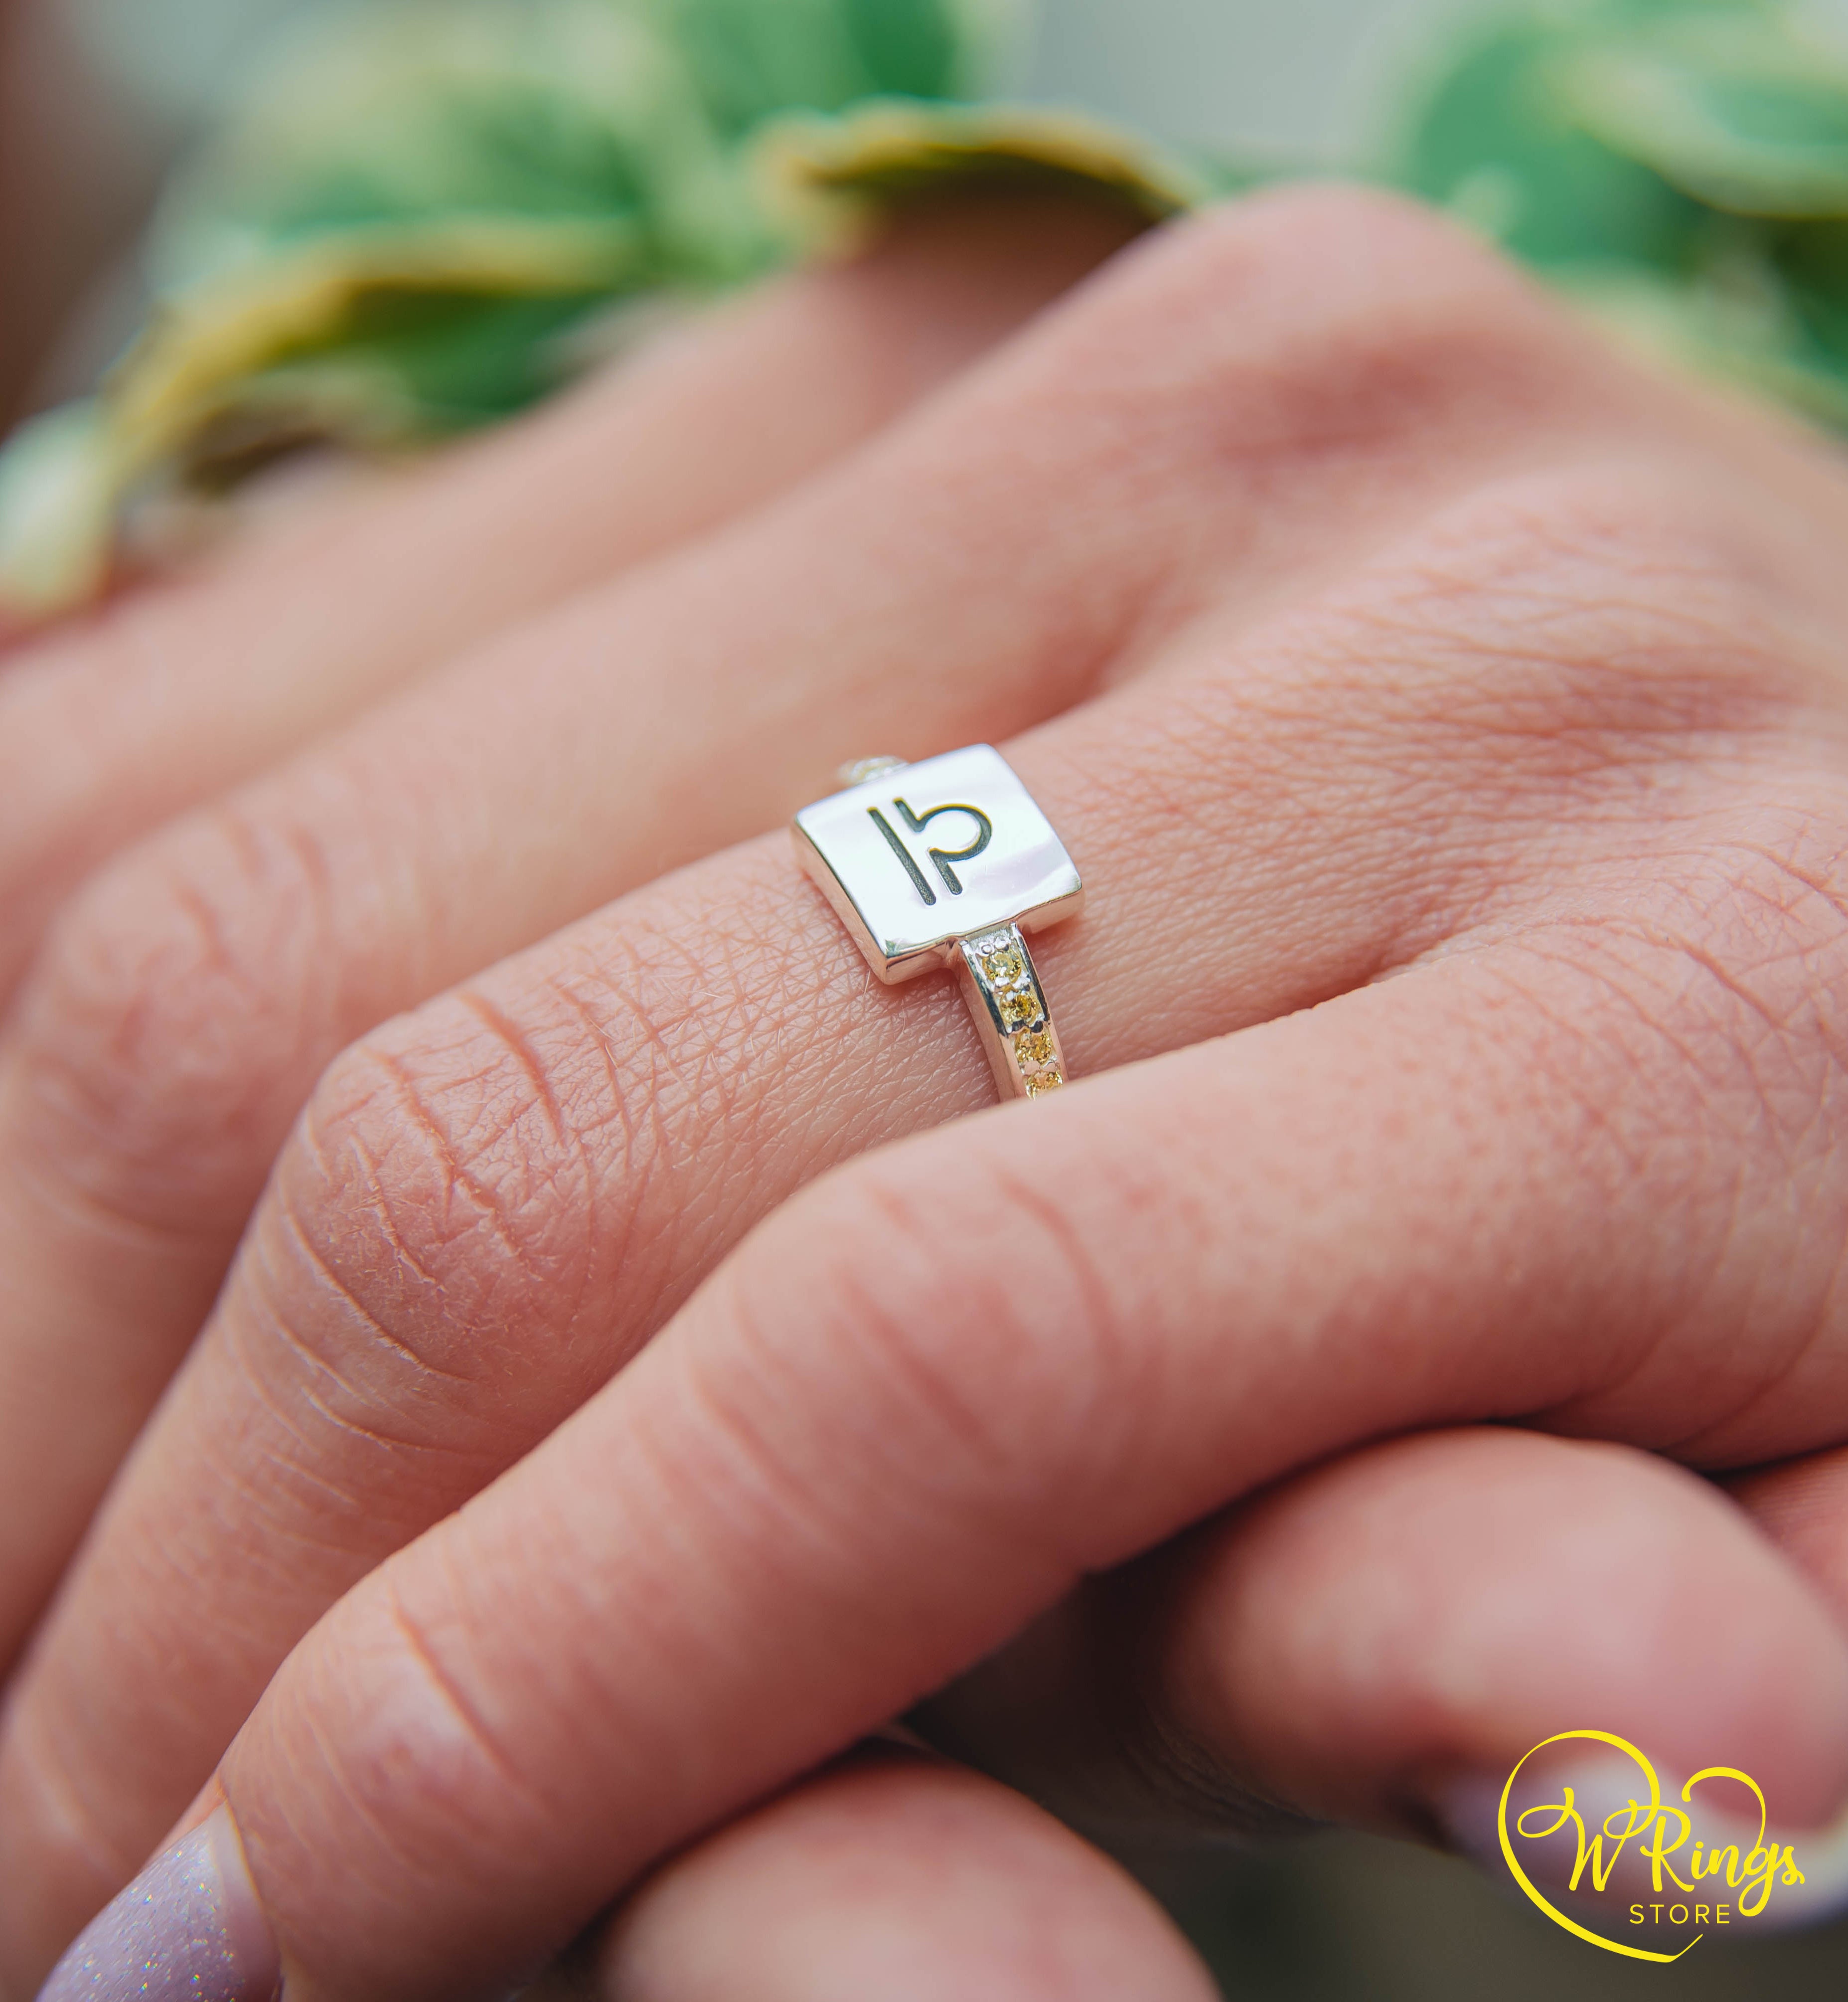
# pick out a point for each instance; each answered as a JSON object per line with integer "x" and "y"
{"x": 924, "y": 856}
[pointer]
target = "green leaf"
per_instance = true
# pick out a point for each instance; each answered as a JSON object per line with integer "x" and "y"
{"x": 832, "y": 176}
{"x": 1812, "y": 262}
{"x": 751, "y": 60}
{"x": 1496, "y": 142}
{"x": 1742, "y": 111}
{"x": 548, "y": 109}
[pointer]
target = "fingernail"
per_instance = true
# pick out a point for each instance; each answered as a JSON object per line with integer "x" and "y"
{"x": 188, "y": 1929}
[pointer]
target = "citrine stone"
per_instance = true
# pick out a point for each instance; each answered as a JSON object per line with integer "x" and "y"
{"x": 1034, "y": 1046}
{"x": 1020, "y": 1008}
{"x": 1005, "y": 967}
{"x": 1044, "y": 1081}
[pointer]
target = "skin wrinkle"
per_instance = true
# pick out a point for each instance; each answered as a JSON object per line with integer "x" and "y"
{"x": 570, "y": 1149}
{"x": 68, "y": 1822}
{"x": 661, "y": 1044}
{"x": 1103, "y": 1336}
{"x": 119, "y": 1092}
{"x": 257, "y": 1505}
{"x": 1671, "y": 941}
{"x": 109, "y": 1861}
{"x": 348, "y": 1302}
{"x": 1486, "y": 279}
{"x": 308, "y": 851}
{"x": 1777, "y": 1374}
{"x": 640, "y": 1147}
{"x": 853, "y": 1298}
{"x": 305, "y": 1466}
{"x": 779, "y": 1519}
{"x": 1717, "y": 1243}
{"x": 1486, "y": 703}
{"x": 1086, "y": 1369}
{"x": 1667, "y": 1328}
{"x": 663, "y": 1010}
{"x": 664, "y": 1034}
{"x": 1623, "y": 572}
{"x": 88, "y": 1211}
{"x": 1592, "y": 1109}
{"x": 709, "y": 1081}
{"x": 785, "y": 1510}
{"x": 319, "y": 1151}
{"x": 1549, "y": 944}
{"x": 1777, "y": 1377}
{"x": 458, "y": 1180}
{"x": 1549, "y": 544}
{"x": 286, "y": 1411}
{"x": 1515, "y": 789}
{"x": 1411, "y": 908}
{"x": 379, "y": 1826}
{"x": 418, "y": 1647}
{"x": 824, "y": 1512}
{"x": 283, "y": 1333}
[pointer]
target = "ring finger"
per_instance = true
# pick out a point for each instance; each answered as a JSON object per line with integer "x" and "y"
{"x": 492, "y": 1203}
{"x": 187, "y": 1000}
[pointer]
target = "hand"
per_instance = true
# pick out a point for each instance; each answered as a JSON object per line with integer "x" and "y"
{"x": 1391, "y": 628}
{"x": 259, "y": 927}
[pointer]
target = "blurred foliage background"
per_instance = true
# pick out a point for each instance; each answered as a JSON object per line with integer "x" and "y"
{"x": 1682, "y": 165}
{"x": 397, "y": 220}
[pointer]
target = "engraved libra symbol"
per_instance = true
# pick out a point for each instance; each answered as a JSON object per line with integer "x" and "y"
{"x": 943, "y": 857}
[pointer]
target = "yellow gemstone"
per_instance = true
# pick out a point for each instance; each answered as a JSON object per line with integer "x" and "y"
{"x": 1019, "y": 1009}
{"x": 1046, "y": 1081}
{"x": 1034, "y": 1046}
{"x": 1004, "y": 968}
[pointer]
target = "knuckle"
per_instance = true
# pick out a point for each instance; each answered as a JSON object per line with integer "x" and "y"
{"x": 493, "y": 1175}
{"x": 1719, "y": 988}
{"x": 416, "y": 1770}
{"x": 1599, "y": 603}
{"x": 1328, "y": 317}
{"x": 159, "y": 1019}
{"x": 59, "y": 1836}
{"x": 1758, "y": 933}
{"x": 404, "y": 1234}
{"x": 974, "y": 1348}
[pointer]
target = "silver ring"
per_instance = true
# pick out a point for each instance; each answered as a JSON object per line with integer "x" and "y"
{"x": 950, "y": 861}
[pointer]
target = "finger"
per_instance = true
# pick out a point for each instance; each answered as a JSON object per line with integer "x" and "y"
{"x": 885, "y": 1875}
{"x": 900, "y": 1879}
{"x": 938, "y": 1388}
{"x": 187, "y": 1001}
{"x": 1802, "y": 1506}
{"x": 543, "y": 1168}
{"x": 115, "y": 1266}
{"x": 1380, "y": 1640}
{"x": 118, "y": 723}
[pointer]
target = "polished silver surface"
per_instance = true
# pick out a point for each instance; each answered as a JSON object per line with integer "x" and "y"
{"x": 949, "y": 861}
{"x": 922, "y": 855}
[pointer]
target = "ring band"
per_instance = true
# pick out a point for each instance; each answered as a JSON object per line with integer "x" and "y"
{"x": 950, "y": 861}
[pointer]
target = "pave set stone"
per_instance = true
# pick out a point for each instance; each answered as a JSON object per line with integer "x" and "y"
{"x": 1022, "y": 1013}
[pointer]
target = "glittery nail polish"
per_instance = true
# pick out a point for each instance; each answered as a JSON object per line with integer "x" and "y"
{"x": 188, "y": 1929}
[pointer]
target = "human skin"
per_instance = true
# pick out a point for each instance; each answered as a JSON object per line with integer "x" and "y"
{"x": 620, "y": 1403}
